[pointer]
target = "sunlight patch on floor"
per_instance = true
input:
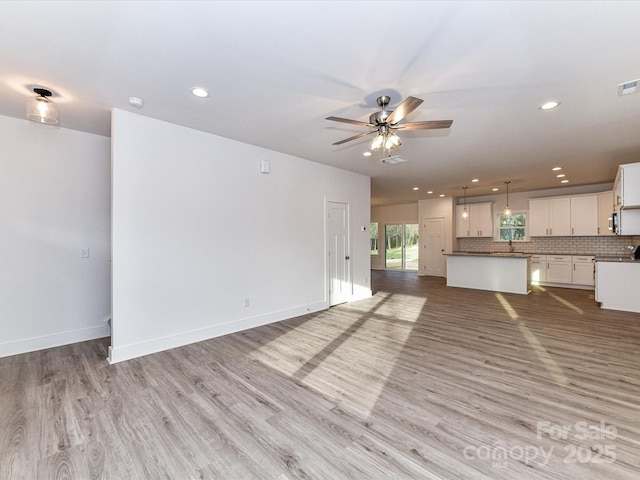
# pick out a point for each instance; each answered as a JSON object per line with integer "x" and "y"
{"x": 543, "y": 355}
{"x": 412, "y": 306}
{"x": 566, "y": 303}
{"x": 562, "y": 300}
{"x": 349, "y": 362}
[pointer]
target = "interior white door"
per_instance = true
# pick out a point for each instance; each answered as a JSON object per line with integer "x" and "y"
{"x": 339, "y": 261}
{"x": 433, "y": 244}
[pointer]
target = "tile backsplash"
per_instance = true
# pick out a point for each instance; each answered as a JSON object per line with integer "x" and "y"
{"x": 598, "y": 246}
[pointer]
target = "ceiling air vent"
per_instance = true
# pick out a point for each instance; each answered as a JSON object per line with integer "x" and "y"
{"x": 393, "y": 160}
{"x": 627, "y": 87}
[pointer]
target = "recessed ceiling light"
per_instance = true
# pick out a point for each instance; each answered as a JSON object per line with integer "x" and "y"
{"x": 366, "y": 154}
{"x": 442, "y": 194}
{"x": 495, "y": 189}
{"x": 136, "y": 102}
{"x": 549, "y": 105}
{"x": 429, "y": 192}
{"x": 475, "y": 180}
{"x": 555, "y": 169}
{"x": 564, "y": 181}
{"x": 416, "y": 188}
{"x": 200, "y": 92}
{"x": 561, "y": 175}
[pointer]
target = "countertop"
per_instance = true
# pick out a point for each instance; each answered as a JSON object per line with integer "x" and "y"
{"x": 624, "y": 259}
{"x": 489, "y": 254}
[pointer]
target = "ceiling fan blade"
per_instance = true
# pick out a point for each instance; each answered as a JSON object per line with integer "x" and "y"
{"x": 353, "y": 122}
{"x": 354, "y": 137}
{"x": 405, "y": 108}
{"x": 425, "y": 125}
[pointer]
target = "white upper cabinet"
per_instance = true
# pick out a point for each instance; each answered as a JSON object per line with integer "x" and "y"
{"x": 584, "y": 215}
{"x": 481, "y": 220}
{"x": 539, "y": 217}
{"x": 479, "y": 223}
{"x": 462, "y": 224}
{"x": 550, "y": 217}
{"x": 605, "y": 210}
{"x": 627, "y": 186}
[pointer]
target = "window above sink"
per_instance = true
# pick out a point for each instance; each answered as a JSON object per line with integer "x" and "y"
{"x": 512, "y": 228}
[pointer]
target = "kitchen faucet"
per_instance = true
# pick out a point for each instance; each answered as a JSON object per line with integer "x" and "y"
{"x": 511, "y": 248}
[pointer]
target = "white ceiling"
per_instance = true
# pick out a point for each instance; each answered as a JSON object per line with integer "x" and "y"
{"x": 277, "y": 69}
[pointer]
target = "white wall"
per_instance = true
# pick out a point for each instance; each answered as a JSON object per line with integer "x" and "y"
{"x": 197, "y": 229}
{"x": 54, "y": 201}
{"x": 391, "y": 215}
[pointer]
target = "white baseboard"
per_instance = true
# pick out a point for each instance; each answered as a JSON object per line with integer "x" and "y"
{"x": 17, "y": 347}
{"x": 362, "y": 294}
{"x": 127, "y": 352}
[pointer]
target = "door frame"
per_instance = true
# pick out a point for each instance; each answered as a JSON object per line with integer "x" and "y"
{"x": 403, "y": 231}
{"x": 327, "y": 259}
{"x": 423, "y": 237}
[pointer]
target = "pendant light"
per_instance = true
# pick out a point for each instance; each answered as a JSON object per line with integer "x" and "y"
{"x": 465, "y": 214}
{"x": 507, "y": 210}
{"x": 41, "y": 109}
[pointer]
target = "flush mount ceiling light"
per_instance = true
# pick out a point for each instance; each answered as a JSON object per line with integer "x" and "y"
{"x": 41, "y": 109}
{"x": 507, "y": 210}
{"x": 549, "y": 105}
{"x": 200, "y": 92}
{"x": 465, "y": 214}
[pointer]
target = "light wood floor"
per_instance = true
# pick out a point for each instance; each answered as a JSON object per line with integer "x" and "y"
{"x": 419, "y": 382}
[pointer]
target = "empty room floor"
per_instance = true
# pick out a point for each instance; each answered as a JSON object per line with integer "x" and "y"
{"x": 421, "y": 381}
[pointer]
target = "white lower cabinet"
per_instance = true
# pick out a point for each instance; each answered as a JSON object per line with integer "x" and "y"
{"x": 584, "y": 271}
{"x": 538, "y": 269}
{"x": 563, "y": 269}
{"x": 617, "y": 285}
{"x": 559, "y": 268}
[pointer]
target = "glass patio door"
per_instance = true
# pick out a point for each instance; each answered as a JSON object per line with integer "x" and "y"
{"x": 401, "y": 247}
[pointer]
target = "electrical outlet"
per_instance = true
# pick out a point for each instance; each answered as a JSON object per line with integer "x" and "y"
{"x": 86, "y": 253}
{"x": 247, "y": 302}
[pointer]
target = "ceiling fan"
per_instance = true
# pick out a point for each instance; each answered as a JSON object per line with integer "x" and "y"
{"x": 384, "y": 122}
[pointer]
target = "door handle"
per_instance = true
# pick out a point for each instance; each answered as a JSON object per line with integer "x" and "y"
{"x": 347, "y": 257}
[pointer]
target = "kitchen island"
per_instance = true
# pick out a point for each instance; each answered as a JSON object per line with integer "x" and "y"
{"x": 617, "y": 280}
{"x": 498, "y": 272}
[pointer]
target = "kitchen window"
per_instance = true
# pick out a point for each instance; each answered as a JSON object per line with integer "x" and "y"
{"x": 512, "y": 228}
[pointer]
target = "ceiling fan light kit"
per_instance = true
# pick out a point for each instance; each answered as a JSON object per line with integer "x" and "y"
{"x": 383, "y": 123}
{"x": 41, "y": 109}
